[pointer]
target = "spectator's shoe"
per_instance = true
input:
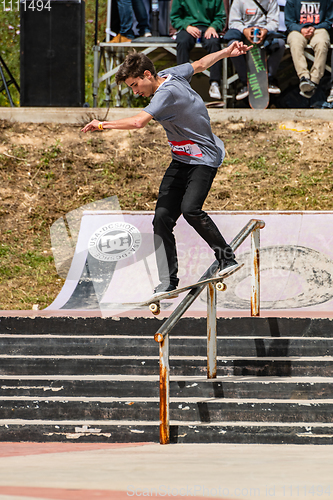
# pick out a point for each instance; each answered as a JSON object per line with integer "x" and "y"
{"x": 162, "y": 288}
{"x": 227, "y": 265}
{"x": 115, "y": 39}
{"x": 330, "y": 96}
{"x": 306, "y": 86}
{"x": 124, "y": 39}
{"x": 214, "y": 91}
{"x": 147, "y": 34}
{"x": 244, "y": 92}
{"x": 273, "y": 89}
{"x": 307, "y": 95}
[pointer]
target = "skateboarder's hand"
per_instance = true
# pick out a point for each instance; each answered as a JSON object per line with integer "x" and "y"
{"x": 90, "y": 127}
{"x": 237, "y": 49}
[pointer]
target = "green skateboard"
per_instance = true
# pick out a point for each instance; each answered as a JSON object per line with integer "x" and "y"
{"x": 257, "y": 78}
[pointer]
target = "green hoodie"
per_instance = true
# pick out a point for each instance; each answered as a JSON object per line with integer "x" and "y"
{"x": 197, "y": 12}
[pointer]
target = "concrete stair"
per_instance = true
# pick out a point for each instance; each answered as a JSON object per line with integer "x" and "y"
{"x": 94, "y": 379}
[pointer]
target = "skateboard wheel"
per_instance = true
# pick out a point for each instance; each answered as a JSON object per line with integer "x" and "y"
{"x": 155, "y": 308}
{"x": 220, "y": 286}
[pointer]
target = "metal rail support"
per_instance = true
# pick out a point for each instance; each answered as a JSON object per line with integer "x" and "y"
{"x": 211, "y": 331}
{"x": 162, "y": 335}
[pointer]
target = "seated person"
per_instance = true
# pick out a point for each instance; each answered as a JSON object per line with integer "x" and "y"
{"x": 309, "y": 23}
{"x": 203, "y": 20}
{"x": 125, "y": 10}
{"x": 245, "y": 15}
{"x": 330, "y": 96}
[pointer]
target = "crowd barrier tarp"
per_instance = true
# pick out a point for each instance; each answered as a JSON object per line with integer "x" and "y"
{"x": 115, "y": 263}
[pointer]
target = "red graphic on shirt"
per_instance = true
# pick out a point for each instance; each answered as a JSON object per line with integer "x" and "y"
{"x": 310, "y": 13}
{"x": 185, "y": 148}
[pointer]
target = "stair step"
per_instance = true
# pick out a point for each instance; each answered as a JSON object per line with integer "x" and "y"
{"x": 97, "y": 379}
{"x": 184, "y": 432}
{"x": 127, "y": 345}
{"x": 198, "y": 409}
{"x": 179, "y": 365}
{"x": 306, "y": 388}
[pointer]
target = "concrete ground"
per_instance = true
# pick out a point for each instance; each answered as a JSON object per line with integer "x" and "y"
{"x": 120, "y": 471}
{"x": 76, "y": 115}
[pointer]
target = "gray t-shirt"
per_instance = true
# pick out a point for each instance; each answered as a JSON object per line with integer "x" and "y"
{"x": 184, "y": 117}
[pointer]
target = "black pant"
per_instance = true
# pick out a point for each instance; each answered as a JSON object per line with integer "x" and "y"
{"x": 183, "y": 190}
{"x": 186, "y": 42}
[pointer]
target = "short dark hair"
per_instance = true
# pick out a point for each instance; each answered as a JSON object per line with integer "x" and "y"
{"x": 135, "y": 65}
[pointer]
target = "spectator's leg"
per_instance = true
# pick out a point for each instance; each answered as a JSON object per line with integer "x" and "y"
{"x": 213, "y": 45}
{"x": 320, "y": 42}
{"x": 330, "y": 95}
{"x": 185, "y": 43}
{"x": 274, "y": 59}
{"x": 297, "y": 43}
{"x": 126, "y": 18}
{"x": 239, "y": 62}
{"x": 240, "y": 67}
{"x": 141, "y": 16}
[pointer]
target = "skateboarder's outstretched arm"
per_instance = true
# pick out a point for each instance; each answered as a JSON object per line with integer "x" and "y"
{"x": 234, "y": 50}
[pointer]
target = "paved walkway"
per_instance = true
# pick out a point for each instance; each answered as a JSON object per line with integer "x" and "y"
{"x": 77, "y": 471}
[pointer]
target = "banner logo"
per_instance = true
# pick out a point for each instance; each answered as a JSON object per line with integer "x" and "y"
{"x": 114, "y": 241}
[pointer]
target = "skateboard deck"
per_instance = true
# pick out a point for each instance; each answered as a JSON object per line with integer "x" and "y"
{"x": 257, "y": 78}
{"x": 154, "y": 301}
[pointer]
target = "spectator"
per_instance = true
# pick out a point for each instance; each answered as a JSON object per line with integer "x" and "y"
{"x": 309, "y": 22}
{"x": 203, "y": 20}
{"x": 245, "y": 15}
{"x": 125, "y": 9}
{"x": 330, "y": 95}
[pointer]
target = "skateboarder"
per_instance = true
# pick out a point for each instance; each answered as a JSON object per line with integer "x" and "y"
{"x": 196, "y": 152}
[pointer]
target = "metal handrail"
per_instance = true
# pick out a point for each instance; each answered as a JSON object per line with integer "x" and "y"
{"x": 162, "y": 335}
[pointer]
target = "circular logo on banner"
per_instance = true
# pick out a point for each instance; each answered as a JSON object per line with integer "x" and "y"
{"x": 114, "y": 241}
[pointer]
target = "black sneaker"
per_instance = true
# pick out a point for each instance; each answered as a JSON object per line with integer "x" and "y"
{"x": 306, "y": 85}
{"x": 273, "y": 89}
{"x": 244, "y": 92}
{"x": 307, "y": 95}
{"x": 227, "y": 265}
{"x": 164, "y": 287}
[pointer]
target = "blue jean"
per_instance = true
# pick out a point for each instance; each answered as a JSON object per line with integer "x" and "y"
{"x": 126, "y": 8}
{"x": 183, "y": 190}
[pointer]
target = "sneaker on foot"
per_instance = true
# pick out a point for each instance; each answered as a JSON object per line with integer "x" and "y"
{"x": 244, "y": 92}
{"x": 306, "y": 85}
{"x": 227, "y": 265}
{"x": 214, "y": 91}
{"x": 115, "y": 39}
{"x": 330, "y": 97}
{"x": 147, "y": 34}
{"x": 273, "y": 89}
{"x": 307, "y": 95}
{"x": 124, "y": 39}
{"x": 163, "y": 287}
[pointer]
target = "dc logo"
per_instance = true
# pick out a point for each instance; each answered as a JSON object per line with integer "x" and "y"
{"x": 114, "y": 241}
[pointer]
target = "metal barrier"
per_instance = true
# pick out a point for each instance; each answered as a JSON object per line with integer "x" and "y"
{"x": 162, "y": 335}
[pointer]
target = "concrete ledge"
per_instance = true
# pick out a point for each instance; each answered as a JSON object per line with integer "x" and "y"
{"x": 79, "y": 116}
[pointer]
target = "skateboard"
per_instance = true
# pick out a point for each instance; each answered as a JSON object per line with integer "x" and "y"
{"x": 257, "y": 78}
{"x": 154, "y": 301}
